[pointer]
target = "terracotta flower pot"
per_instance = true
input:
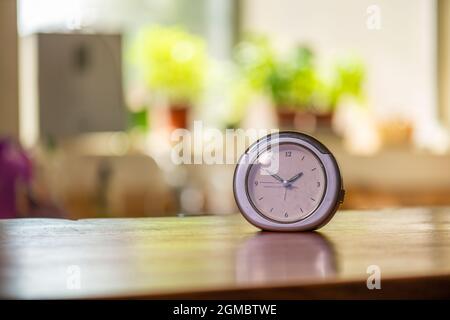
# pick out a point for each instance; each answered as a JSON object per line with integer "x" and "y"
{"x": 286, "y": 118}
{"x": 324, "y": 120}
{"x": 305, "y": 121}
{"x": 291, "y": 119}
{"x": 178, "y": 116}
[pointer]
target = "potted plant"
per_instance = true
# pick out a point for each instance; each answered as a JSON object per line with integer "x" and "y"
{"x": 347, "y": 83}
{"x": 292, "y": 85}
{"x": 344, "y": 82}
{"x": 173, "y": 63}
{"x": 254, "y": 59}
{"x": 349, "y": 80}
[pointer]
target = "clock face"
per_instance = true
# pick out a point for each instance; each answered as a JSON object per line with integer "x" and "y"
{"x": 294, "y": 191}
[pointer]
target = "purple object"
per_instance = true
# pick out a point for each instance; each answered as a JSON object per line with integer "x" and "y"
{"x": 15, "y": 169}
{"x": 288, "y": 181}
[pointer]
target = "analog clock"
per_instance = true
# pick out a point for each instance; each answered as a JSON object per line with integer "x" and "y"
{"x": 288, "y": 181}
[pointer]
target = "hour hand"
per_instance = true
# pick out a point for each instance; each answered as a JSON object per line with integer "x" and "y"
{"x": 294, "y": 178}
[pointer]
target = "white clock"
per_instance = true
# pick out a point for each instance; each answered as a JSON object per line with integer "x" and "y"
{"x": 288, "y": 181}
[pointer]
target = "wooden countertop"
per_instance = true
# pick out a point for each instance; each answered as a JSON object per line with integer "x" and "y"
{"x": 225, "y": 257}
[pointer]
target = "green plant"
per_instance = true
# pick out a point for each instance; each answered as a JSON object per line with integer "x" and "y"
{"x": 293, "y": 81}
{"x": 138, "y": 120}
{"x": 255, "y": 59}
{"x": 349, "y": 77}
{"x": 173, "y": 62}
{"x": 289, "y": 82}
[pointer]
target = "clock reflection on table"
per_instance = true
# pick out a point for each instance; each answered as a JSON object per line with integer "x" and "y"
{"x": 285, "y": 257}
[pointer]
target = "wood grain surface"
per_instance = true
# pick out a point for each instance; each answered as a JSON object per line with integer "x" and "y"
{"x": 225, "y": 257}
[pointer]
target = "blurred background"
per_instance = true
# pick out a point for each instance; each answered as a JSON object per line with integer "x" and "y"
{"x": 90, "y": 91}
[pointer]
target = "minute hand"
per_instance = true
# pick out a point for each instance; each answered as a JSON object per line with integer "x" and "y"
{"x": 294, "y": 178}
{"x": 277, "y": 177}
